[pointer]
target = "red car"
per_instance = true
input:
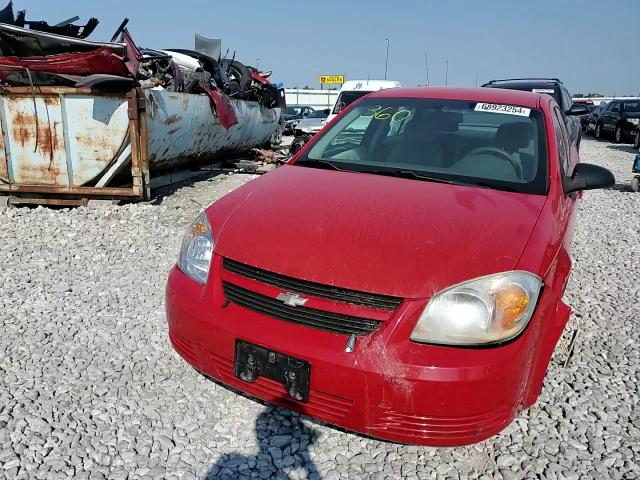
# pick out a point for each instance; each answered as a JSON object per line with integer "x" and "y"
{"x": 402, "y": 276}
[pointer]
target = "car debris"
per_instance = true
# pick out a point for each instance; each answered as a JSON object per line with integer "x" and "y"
{"x": 178, "y": 106}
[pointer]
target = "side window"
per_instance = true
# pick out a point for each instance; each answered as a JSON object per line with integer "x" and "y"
{"x": 563, "y": 143}
{"x": 566, "y": 99}
{"x": 615, "y": 107}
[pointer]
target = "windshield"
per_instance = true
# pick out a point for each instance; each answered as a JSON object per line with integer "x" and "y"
{"x": 317, "y": 114}
{"x": 347, "y": 98}
{"x": 632, "y": 106}
{"x": 482, "y": 144}
{"x": 294, "y": 110}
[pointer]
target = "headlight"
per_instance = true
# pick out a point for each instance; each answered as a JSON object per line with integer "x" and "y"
{"x": 483, "y": 311}
{"x": 634, "y": 121}
{"x": 197, "y": 249}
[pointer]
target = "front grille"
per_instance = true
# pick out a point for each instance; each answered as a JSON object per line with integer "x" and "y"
{"x": 382, "y": 302}
{"x": 310, "y": 317}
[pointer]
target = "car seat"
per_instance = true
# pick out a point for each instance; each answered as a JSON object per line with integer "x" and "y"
{"x": 418, "y": 144}
{"x": 512, "y": 138}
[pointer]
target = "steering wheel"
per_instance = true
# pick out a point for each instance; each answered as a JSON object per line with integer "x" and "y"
{"x": 497, "y": 152}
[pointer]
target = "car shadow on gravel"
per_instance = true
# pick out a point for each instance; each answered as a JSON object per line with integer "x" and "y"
{"x": 282, "y": 454}
{"x": 623, "y": 148}
{"x": 621, "y": 187}
{"x": 160, "y": 194}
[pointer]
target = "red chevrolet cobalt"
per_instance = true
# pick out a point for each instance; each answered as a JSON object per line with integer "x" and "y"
{"x": 402, "y": 276}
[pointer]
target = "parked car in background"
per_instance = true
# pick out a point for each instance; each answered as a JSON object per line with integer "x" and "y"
{"x": 584, "y": 119}
{"x": 355, "y": 89}
{"x": 407, "y": 283}
{"x": 293, "y": 114}
{"x": 307, "y": 128}
{"x": 619, "y": 119}
{"x": 313, "y": 123}
{"x": 593, "y": 117}
{"x": 555, "y": 88}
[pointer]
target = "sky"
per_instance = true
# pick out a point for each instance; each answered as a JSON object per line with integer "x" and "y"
{"x": 591, "y": 45}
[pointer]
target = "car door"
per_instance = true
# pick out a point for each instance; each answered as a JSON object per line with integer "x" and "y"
{"x": 571, "y": 122}
{"x": 610, "y": 116}
{"x": 566, "y": 213}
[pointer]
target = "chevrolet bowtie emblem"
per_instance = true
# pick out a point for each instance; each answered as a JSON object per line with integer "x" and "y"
{"x": 292, "y": 299}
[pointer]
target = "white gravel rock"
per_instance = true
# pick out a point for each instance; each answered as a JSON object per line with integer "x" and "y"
{"x": 90, "y": 387}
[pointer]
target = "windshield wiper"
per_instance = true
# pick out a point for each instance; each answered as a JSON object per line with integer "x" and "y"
{"x": 494, "y": 187}
{"x": 411, "y": 174}
{"x": 318, "y": 164}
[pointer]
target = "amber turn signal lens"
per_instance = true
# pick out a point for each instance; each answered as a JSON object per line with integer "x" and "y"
{"x": 511, "y": 302}
{"x": 198, "y": 228}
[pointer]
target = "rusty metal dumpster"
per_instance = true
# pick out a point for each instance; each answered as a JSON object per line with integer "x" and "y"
{"x": 65, "y": 146}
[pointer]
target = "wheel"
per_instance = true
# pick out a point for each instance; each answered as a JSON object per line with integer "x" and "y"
{"x": 298, "y": 143}
{"x": 635, "y": 184}
{"x": 239, "y": 78}
{"x": 276, "y": 138}
{"x": 636, "y": 139}
{"x": 598, "y": 132}
{"x": 618, "y": 135}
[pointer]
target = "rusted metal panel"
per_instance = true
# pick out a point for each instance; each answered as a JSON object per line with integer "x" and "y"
{"x": 97, "y": 129}
{"x": 35, "y": 140}
{"x": 4, "y": 173}
{"x": 183, "y": 129}
{"x": 52, "y": 189}
{"x": 61, "y": 139}
{"x": 59, "y": 142}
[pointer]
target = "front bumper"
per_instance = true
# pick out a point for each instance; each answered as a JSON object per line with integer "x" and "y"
{"x": 388, "y": 387}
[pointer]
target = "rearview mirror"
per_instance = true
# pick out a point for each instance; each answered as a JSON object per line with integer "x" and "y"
{"x": 588, "y": 177}
{"x": 327, "y": 111}
{"x": 577, "y": 109}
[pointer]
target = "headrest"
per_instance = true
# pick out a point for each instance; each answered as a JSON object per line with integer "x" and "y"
{"x": 514, "y": 136}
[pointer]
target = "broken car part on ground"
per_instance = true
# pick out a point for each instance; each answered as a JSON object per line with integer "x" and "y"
{"x": 84, "y": 119}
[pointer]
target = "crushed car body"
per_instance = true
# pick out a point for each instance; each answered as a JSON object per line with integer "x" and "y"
{"x": 83, "y": 119}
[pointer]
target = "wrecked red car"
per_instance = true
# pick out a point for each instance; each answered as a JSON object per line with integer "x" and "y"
{"x": 402, "y": 276}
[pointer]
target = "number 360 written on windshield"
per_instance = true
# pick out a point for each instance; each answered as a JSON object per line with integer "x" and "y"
{"x": 380, "y": 113}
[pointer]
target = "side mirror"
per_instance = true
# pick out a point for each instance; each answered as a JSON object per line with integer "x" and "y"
{"x": 577, "y": 109}
{"x": 588, "y": 177}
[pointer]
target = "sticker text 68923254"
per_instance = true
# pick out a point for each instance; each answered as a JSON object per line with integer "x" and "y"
{"x": 504, "y": 109}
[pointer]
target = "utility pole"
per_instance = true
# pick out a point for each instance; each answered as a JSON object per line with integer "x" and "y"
{"x": 426, "y": 66}
{"x": 446, "y": 73}
{"x": 386, "y": 62}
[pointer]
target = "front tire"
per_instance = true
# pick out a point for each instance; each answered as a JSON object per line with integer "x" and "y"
{"x": 598, "y": 132}
{"x": 635, "y": 184}
{"x": 618, "y": 137}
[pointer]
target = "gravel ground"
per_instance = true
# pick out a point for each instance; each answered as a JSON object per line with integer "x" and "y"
{"x": 90, "y": 387}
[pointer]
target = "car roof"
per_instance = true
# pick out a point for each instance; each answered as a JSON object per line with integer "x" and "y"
{"x": 478, "y": 94}
{"x": 368, "y": 85}
{"x": 525, "y": 81}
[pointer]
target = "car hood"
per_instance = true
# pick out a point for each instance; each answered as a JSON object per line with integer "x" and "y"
{"x": 386, "y": 235}
{"x": 311, "y": 122}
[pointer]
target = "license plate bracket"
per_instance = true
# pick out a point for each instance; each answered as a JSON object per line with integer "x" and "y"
{"x": 252, "y": 361}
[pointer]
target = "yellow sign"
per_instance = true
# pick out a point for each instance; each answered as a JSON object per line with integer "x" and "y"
{"x": 325, "y": 79}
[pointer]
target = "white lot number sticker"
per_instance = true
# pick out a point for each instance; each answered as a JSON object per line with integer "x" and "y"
{"x": 543, "y": 90}
{"x": 504, "y": 109}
